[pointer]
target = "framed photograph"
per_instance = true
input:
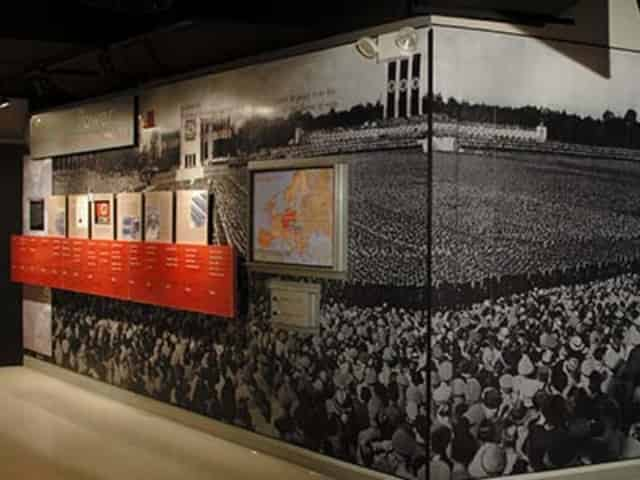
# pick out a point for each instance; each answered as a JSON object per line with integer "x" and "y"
{"x": 158, "y": 217}
{"x": 57, "y": 216}
{"x": 78, "y": 216}
{"x": 103, "y": 216}
{"x": 129, "y": 216}
{"x": 102, "y": 212}
{"x": 192, "y": 216}
{"x": 298, "y": 220}
{"x": 36, "y": 215}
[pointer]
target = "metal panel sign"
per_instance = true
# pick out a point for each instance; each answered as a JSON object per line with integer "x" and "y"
{"x": 97, "y": 126}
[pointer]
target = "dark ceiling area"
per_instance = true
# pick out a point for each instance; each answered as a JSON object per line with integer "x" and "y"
{"x": 58, "y": 52}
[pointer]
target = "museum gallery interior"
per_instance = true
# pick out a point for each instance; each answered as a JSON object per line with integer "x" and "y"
{"x": 358, "y": 241}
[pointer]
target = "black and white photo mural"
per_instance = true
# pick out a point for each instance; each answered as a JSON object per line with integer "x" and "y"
{"x": 535, "y": 323}
{"x": 355, "y": 386}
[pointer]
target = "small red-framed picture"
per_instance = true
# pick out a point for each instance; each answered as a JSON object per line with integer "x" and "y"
{"x": 102, "y": 212}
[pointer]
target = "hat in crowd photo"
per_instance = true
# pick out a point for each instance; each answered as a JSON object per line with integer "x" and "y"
{"x": 572, "y": 364}
{"x": 489, "y": 461}
{"x": 525, "y": 366}
{"x": 549, "y": 341}
{"x": 491, "y": 398}
{"x": 547, "y": 357}
{"x": 474, "y": 391}
{"x": 528, "y": 390}
{"x": 442, "y": 394}
{"x": 445, "y": 370}
{"x": 503, "y": 333}
{"x": 576, "y": 344}
{"x": 588, "y": 367}
{"x": 506, "y": 382}
{"x": 458, "y": 387}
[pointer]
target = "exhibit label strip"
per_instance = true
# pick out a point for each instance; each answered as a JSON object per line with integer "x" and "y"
{"x": 198, "y": 278}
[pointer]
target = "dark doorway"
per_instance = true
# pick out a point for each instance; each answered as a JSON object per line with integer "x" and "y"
{"x": 11, "y": 160}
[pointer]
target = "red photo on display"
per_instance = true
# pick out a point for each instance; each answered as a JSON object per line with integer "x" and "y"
{"x": 102, "y": 212}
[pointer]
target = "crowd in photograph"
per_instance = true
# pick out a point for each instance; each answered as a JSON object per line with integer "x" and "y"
{"x": 388, "y": 231}
{"x": 507, "y": 215}
{"x": 355, "y": 389}
{"x": 535, "y": 381}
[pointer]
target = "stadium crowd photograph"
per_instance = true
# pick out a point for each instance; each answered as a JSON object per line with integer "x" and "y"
{"x": 355, "y": 390}
{"x": 536, "y": 381}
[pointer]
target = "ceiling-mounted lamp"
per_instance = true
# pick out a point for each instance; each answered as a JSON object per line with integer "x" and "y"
{"x": 4, "y": 102}
{"x": 407, "y": 40}
{"x": 367, "y": 47}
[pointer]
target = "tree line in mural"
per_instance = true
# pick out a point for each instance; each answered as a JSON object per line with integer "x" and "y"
{"x": 260, "y": 132}
{"x": 610, "y": 130}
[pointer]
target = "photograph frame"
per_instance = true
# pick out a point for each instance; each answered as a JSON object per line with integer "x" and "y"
{"x": 339, "y": 268}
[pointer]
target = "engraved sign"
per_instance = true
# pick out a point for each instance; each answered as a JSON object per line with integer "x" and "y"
{"x": 295, "y": 304}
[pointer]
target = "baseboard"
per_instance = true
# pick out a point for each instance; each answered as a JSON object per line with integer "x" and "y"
{"x": 308, "y": 459}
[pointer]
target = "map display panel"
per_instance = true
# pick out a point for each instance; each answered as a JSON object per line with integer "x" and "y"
{"x": 293, "y": 217}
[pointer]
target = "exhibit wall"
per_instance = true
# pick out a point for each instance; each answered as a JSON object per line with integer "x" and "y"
{"x": 535, "y": 281}
{"x": 349, "y": 380}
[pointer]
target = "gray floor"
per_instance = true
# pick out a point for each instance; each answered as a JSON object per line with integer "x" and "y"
{"x": 50, "y": 429}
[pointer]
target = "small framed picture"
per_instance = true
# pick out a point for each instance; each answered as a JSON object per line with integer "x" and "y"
{"x": 36, "y": 214}
{"x": 102, "y": 212}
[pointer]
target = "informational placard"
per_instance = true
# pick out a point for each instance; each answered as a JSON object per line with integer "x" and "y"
{"x": 102, "y": 216}
{"x": 197, "y": 278}
{"x": 78, "y": 216}
{"x": 158, "y": 217}
{"x": 57, "y": 216}
{"x": 129, "y": 209}
{"x": 91, "y": 127}
{"x": 192, "y": 216}
{"x": 295, "y": 305}
{"x": 36, "y": 319}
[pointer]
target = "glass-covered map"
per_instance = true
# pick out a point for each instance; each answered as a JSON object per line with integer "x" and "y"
{"x": 293, "y": 217}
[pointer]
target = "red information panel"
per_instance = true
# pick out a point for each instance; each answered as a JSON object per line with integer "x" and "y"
{"x": 150, "y": 287}
{"x": 65, "y": 263}
{"x": 78, "y": 260}
{"x": 89, "y": 269}
{"x": 18, "y": 255}
{"x": 31, "y": 261}
{"x": 136, "y": 277}
{"x": 44, "y": 261}
{"x": 193, "y": 277}
{"x": 102, "y": 270}
{"x": 221, "y": 281}
{"x": 169, "y": 285}
{"x": 186, "y": 277}
{"x": 118, "y": 284}
{"x": 56, "y": 279}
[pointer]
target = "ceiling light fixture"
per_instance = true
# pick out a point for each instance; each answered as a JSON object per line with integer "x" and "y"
{"x": 4, "y": 102}
{"x": 367, "y": 47}
{"x": 407, "y": 40}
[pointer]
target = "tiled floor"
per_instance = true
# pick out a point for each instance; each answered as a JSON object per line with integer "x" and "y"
{"x": 53, "y": 430}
